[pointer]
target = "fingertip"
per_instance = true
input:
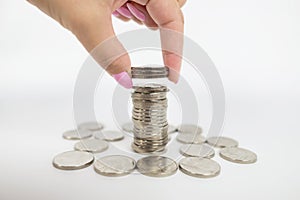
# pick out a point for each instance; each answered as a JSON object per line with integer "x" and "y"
{"x": 173, "y": 62}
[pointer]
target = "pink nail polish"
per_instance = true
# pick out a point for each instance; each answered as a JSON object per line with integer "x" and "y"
{"x": 123, "y": 79}
{"x": 116, "y": 14}
{"x": 138, "y": 14}
{"x": 125, "y": 12}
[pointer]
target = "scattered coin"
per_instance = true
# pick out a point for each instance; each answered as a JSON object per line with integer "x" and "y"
{"x": 91, "y": 145}
{"x": 222, "y": 142}
{"x": 157, "y": 166}
{"x": 197, "y": 150}
{"x": 109, "y": 135}
{"x": 115, "y": 165}
{"x": 189, "y": 128}
{"x": 238, "y": 155}
{"x": 171, "y": 129}
{"x": 77, "y": 134}
{"x": 92, "y": 126}
{"x": 72, "y": 160}
{"x": 199, "y": 167}
{"x": 128, "y": 127}
{"x": 190, "y": 138}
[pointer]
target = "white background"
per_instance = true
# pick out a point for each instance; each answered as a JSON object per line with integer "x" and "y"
{"x": 255, "y": 46}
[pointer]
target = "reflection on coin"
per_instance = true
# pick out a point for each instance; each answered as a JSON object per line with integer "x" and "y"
{"x": 77, "y": 134}
{"x": 238, "y": 155}
{"x": 222, "y": 142}
{"x": 109, "y": 135}
{"x": 128, "y": 127}
{"x": 171, "y": 129}
{"x": 92, "y": 126}
{"x": 190, "y": 138}
{"x": 197, "y": 150}
{"x": 91, "y": 145}
{"x": 115, "y": 165}
{"x": 199, "y": 167}
{"x": 72, "y": 160}
{"x": 189, "y": 128}
{"x": 157, "y": 166}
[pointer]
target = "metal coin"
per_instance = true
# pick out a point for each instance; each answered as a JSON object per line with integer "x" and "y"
{"x": 115, "y": 165}
{"x": 109, "y": 135}
{"x": 197, "y": 150}
{"x": 72, "y": 160}
{"x": 238, "y": 155}
{"x": 157, "y": 166}
{"x": 92, "y": 126}
{"x": 128, "y": 127}
{"x": 190, "y": 138}
{"x": 171, "y": 129}
{"x": 77, "y": 134}
{"x": 189, "y": 128}
{"x": 91, "y": 145}
{"x": 222, "y": 142}
{"x": 199, "y": 167}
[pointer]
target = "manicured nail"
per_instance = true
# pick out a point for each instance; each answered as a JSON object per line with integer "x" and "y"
{"x": 123, "y": 79}
{"x": 125, "y": 12}
{"x": 138, "y": 14}
{"x": 116, "y": 14}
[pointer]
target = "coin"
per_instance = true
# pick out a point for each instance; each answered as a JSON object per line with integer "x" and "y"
{"x": 91, "y": 145}
{"x": 157, "y": 166}
{"x": 238, "y": 155}
{"x": 189, "y": 128}
{"x": 109, "y": 135}
{"x": 115, "y": 165}
{"x": 190, "y": 138}
{"x": 72, "y": 160}
{"x": 128, "y": 127}
{"x": 92, "y": 126}
{"x": 199, "y": 167}
{"x": 77, "y": 134}
{"x": 171, "y": 129}
{"x": 197, "y": 150}
{"x": 222, "y": 142}
{"x": 149, "y": 72}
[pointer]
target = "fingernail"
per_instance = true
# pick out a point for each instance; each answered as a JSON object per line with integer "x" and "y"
{"x": 138, "y": 14}
{"x": 116, "y": 14}
{"x": 125, "y": 12}
{"x": 123, "y": 79}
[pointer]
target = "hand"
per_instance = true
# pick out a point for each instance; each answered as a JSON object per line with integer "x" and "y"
{"x": 90, "y": 21}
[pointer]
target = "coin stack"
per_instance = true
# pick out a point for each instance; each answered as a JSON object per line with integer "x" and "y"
{"x": 149, "y": 117}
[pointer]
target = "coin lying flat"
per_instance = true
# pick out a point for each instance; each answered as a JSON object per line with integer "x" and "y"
{"x": 222, "y": 142}
{"x": 199, "y": 167}
{"x": 197, "y": 150}
{"x": 238, "y": 155}
{"x": 92, "y": 126}
{"x": 77, "y": 134}
{"x": 171, "y": 129}
{"x": 115, "y": 165}
{"x": 109, "y": 135}
{"x": 157, "y": 166}
{"x": 189, "y": 128}
{"x": 190, "y": 138}
{"x": 72, "y": 160}
{"x": 91, "y": 145}
{"x": 128, "y": 127}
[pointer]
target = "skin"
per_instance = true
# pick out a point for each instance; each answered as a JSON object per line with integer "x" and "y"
{"x": 90, "y": 21}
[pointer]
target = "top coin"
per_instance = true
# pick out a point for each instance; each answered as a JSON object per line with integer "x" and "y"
{"x": 92, "y": 126}
{"x": 189, "y": 128}
{"x": 222, "y": 142}
{"x": 77, "y": 134}
{"x": 149, "y": 72}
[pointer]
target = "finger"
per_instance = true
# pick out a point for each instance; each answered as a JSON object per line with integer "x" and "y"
{"x": 171, "y": 26}
{"x": 123, "y": 10}
{"x": 119, "y": 16}
{"x": 181, "y": 3}
{"x": 136, "y": 12}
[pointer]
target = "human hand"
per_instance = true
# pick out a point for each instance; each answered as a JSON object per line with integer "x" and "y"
{"x": 90, "y": 21}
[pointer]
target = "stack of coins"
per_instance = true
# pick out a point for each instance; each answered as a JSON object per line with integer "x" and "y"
{"x": 149, "y": 72}
{"x": 149, "y": 118}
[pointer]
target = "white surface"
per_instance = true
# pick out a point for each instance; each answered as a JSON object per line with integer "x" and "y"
{"x": 255, "y": 45}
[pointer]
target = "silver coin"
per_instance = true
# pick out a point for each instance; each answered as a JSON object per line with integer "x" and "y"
{"x": 157, "y": 166}
{"x": 238, "y": 155}
{"x": 128, "y": 127}
{"x": 92, "y": 126}
{"x": 91, "y": 145}
{"x": 171, "y": 129}
{"x": 115, "y": 165}
{"x": 72, "y": 160}
{"x": 199, "y": 167}
{"x": 197, "y": 150}
{"x": 189, "y": 128}
{"x": 190, "y": 138}
{"x": 109, "y": 135}
{"x": 222, "y": 142}
{"x": 77, "y": 134}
